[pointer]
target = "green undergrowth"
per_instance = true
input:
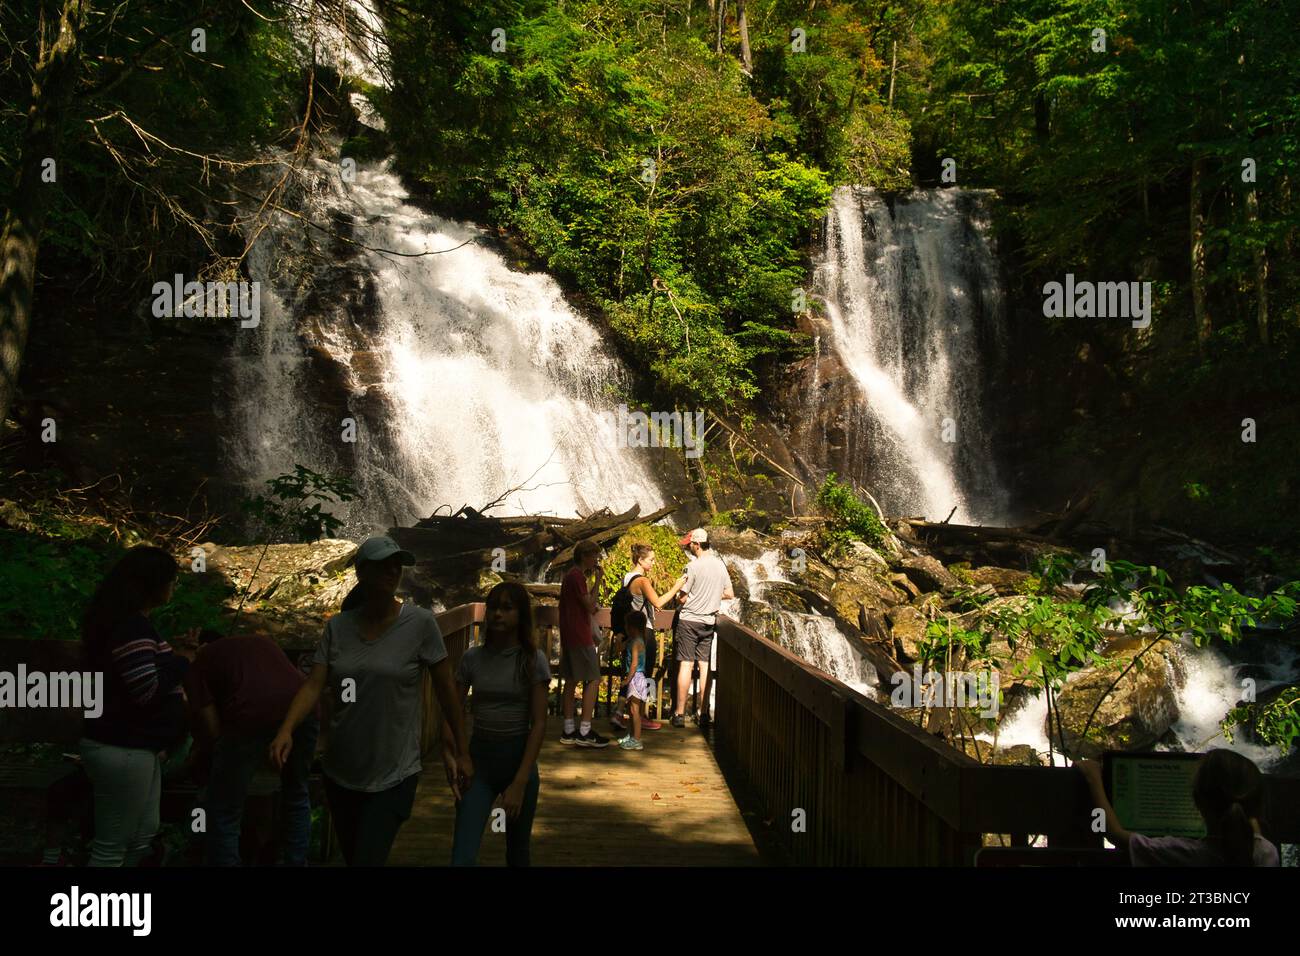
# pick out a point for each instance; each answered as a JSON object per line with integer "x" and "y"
{"x": 54, "y": 551}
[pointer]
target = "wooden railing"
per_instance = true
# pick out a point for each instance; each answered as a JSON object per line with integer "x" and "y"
{"x": 846, "y": 781}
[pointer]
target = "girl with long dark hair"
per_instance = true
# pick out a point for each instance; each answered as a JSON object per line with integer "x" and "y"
{"x": 372, "y": 656}
{"x": 510, "y": 678}
{"x": 144, "y": 706}
{"x": 1228, "y": 790}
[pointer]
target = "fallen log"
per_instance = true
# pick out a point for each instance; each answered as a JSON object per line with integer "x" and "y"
{"x": 512, "y": 554}
{"x": 976, "y": 533}
{"x": 612, "y": 532}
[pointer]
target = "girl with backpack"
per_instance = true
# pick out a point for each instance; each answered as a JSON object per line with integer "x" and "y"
{"x": 632, "y": 614}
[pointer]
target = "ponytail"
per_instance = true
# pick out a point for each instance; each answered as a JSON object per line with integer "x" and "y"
{"x": 1229, "y": 791}
{"x": 1238, "y": 836}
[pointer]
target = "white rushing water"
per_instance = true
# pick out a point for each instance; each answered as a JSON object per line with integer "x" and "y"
{"x": 1209, "y": 688}
{"x": 465, "y": 378}
{"x": 915, "y": 306}
{"x": 1212, "y": 688}
{"x": 462, "y": 377}
{"x": 813, "y": 637}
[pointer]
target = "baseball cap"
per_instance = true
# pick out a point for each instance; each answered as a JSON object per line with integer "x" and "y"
{"x": 699, "y": 536}
{"x": 380, "y": 547}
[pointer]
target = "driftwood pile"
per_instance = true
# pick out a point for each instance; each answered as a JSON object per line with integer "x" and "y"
{"x": 468, "y": 541}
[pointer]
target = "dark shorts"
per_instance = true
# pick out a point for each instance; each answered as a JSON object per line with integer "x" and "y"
{"x": 580, "y": 664}
{"x": 694, "y": 640}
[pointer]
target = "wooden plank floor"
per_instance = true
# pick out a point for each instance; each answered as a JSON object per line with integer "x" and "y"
{"x": 667, "y": 805}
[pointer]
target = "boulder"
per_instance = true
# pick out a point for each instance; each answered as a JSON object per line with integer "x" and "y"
{"x": 12, "y": 516}
{"x": 861, "y": 588}
{"x": 286, "y": 572}
{"x": 857, "y": 554}
{"x": 907, "y": 626}
{"x": 904, "y": 582}
{"x": 1004, "y": 580}
{"x": 928, "y": 573}
{"x": 1134, "y": 715}
{"x": 742, "y": 544}
{"x": 1017, "y": 755}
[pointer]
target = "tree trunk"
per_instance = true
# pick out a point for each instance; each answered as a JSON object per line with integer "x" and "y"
{"x": 1200, "y": 315}
{"x": 1042, "y": 118}
{"x": 743, "y": 22}
{"x": 1260, "y": 254}
{"x": 722, "y": 16}
{"x": 53, "y": 83}
{"x": 893, "y": 71}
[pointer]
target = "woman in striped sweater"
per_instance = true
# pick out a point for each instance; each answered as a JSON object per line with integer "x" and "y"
{"x": 144, "y": 707}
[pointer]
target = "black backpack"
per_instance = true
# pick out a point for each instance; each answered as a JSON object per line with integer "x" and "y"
{"x": 621, "y": 607}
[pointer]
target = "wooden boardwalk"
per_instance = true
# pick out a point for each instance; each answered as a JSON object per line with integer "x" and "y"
{"x": 667, "y": 805}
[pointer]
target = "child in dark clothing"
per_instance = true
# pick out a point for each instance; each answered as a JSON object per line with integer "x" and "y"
{"x": 240, "y": 688}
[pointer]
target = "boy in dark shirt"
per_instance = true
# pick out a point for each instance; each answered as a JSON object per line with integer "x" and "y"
{"x": 240, "y": 689}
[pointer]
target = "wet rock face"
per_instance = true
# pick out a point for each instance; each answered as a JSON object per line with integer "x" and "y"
{"x": 819, "y": 407}
{"x": 1134, "y": 716}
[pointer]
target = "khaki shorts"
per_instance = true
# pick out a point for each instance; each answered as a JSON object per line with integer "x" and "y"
{"x": 579, "y": 664}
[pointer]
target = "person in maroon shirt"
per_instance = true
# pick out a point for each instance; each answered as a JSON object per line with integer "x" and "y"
{"x": 579, "y": 661}
{"x": 240, "y": 689}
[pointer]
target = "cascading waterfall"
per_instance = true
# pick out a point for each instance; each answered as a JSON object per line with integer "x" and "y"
{"x": 462, "y": 378}
{"x": 813, "y": 637}
{"x": 914, "y": 302}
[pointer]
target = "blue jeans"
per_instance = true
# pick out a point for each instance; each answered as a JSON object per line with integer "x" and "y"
{"x": 128, "y": 787}
{"x": 234, "y": 761}
{"x": 496, "y": 761}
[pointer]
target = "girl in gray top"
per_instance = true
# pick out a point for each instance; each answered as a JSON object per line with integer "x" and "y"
{"x": 510, "y": 678}
{"x": 372, "y": 656}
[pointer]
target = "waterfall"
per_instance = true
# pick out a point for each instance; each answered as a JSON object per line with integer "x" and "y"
{"x": 813, "y": 637}
{"x": 464, "y": 378}
{"x": 915, "y": 307}
{"x": 1213, "y": 687}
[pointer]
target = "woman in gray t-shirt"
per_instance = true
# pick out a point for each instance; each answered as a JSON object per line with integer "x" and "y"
{"x": 509, "y": 677}
{"x": 372, "y": 656}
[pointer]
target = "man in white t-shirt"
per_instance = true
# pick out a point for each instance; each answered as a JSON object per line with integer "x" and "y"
{"x": 707, "y": 585}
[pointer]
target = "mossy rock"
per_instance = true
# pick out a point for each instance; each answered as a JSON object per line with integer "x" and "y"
{"x": 1133, "y": 716}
